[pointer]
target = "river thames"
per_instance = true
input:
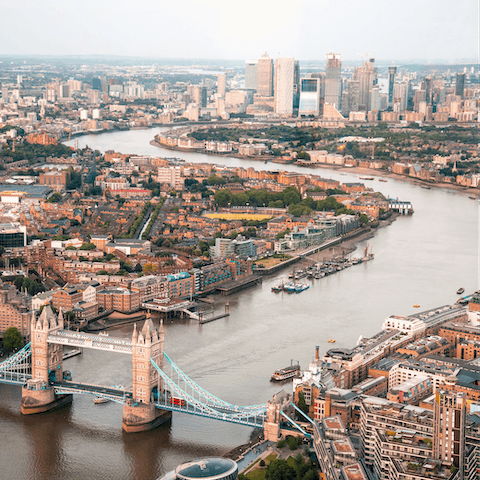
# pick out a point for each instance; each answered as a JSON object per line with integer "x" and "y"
{"x": 422, "y": 259}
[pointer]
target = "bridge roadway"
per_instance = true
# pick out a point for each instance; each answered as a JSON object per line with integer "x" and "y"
{"x": 90, "y": 340}
{"x": 14, "y": 378}
{"x": 112, "y": 393}
{"x": 225, "y": 415}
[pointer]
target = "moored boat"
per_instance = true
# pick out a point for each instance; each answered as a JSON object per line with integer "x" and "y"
{"x": 300, "y": 287}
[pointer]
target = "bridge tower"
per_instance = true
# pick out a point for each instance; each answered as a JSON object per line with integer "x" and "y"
{"x": 140, "y": 413}
{"x": 38, "y": 395}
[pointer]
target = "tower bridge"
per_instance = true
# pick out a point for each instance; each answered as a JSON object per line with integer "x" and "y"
{"x": 159, "y": 386}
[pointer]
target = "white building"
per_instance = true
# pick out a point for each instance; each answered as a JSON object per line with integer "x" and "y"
{"x": 284, "y": 85}
{"x": 410, "y": 326}
{"x": 171, "y": 175}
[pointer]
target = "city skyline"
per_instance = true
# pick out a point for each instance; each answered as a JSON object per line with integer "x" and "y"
{"x": 213, "y": 30}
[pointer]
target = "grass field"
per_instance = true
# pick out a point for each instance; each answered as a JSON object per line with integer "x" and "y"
{"x": 268, "y": 262}
{"x": 238, "y": 216}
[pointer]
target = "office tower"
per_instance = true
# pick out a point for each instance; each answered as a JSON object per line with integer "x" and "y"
{"x": 460, "y": 84}
{"x": 296, "y": 85}
{"x": 222, "y": 84}
{"x": 63, "y": 90}
{"x": 375, "y": 99}
{"x": 200, "y": 95}
{"x": 419, "y": 97}
{"x": 251, "y": 74}
{"x": 391, "y": 81}
{"x": 400, "y": 96}
{"x": 332, "y": 80}
{"x": 19, "y": 79}
{"x": 367, "y": 77}
{"x": 309, "y": 97}
{"x": 353, "y": 95}
{"x": 449, "y": 427}
{"x": 96, "y": 84}
{"x": 265, "y": 76}
{"x": 428, "y": 87}
{"x": 284, "y": 85}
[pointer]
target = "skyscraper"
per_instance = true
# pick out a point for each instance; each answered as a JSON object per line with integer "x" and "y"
{"x": 251, "y": 74}
{"x": 449, "y": 427}
{"x": 265, "y": 75}
{"x": 284, "y": 85}
{"x": 367, "y": 78}
{"x": 460, "y": 84}
{"x": 391, "y": 82}
{"x": 222, "y": 84}
{"x": 309, "y": 97}
{"x": 332, "y": 80}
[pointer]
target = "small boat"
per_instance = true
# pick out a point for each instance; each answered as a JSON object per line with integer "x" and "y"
{"x": 473, "y": 198}
{"x": 300, "y": 287}
{"x": 460, "y": 291}
{"x": 416, "y": 306}
{"x": 277, "y": 288}
{"x": 366, "y": 178}
{"x": 331, "y": 340}
{"x": 98, "y": 400}
{"x": 382, "y": 180}
{"x": 425, "y": 187}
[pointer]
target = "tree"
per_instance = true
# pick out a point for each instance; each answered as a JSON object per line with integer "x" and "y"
{"x": 302, "y": 405}
{"x": 12, "y": 339}
{"x": 363, "y": 219}
{"x": 280, "y": 470}
{"x": 55, "y": 198}
{"x": 138, "y": 268}
{"x": 223, "y": 197}
{"x": 88, "y": 246}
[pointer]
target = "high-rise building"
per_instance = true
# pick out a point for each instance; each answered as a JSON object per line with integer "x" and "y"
{"x": 265, "y": 75}
{"x": 400, "y": 96}
{"x": 332, "y": 80}
{"x": 450, "y": 410}
{"x": 309, "y": 97}
{"x": 428, "y": 90}
{"x": 222, "y": 84}
{"x": 367, "y": 78}
{"x": 285, "y": 72}
{"x": 460, "y": 84}
{"x": 96, "y": 84}
{"x": 375, "y": 99}
{"x": 391, "y": 81}
{"x": 353, "y": 96}
{"x": 251, "y": 74}
{"x": 200, "y": 95}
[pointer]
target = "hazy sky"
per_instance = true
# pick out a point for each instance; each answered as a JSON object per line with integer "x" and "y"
{"x": 228, "y": 29}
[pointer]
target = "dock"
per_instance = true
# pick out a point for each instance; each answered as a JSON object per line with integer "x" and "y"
{"x": 234, "y": 286}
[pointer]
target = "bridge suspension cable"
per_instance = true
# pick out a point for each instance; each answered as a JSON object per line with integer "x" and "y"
{"x": 184, "y": 402}
{"x": 17, "y": 358}
{"x": 215, "y": 401}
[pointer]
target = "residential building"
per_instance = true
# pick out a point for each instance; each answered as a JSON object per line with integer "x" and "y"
{"x": 15, "y": 310}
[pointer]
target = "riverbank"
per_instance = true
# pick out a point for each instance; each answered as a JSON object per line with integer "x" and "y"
{"x": 336, "y": 168}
